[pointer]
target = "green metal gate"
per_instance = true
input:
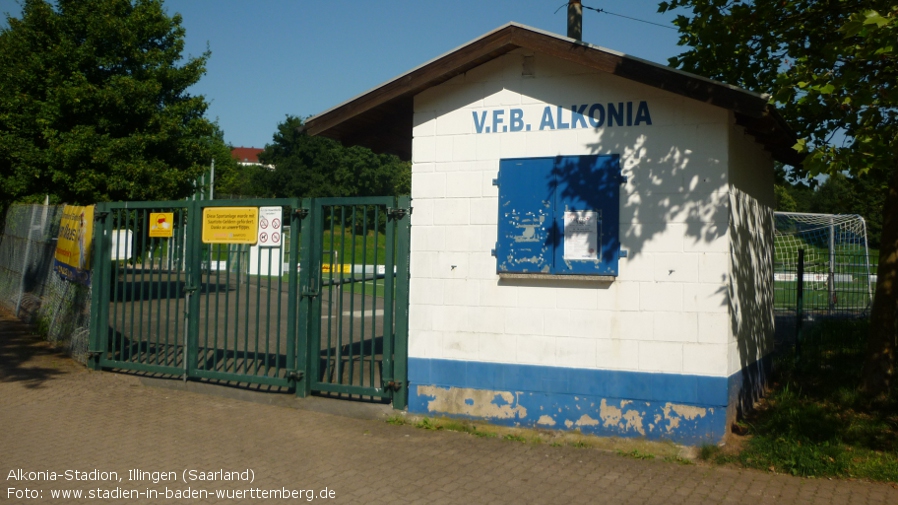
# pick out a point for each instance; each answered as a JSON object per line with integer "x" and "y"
{"x": 326, "y": 311}
{"x": 359, "y": 301}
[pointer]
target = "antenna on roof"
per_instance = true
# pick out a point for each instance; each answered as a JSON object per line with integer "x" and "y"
{"x": 575, "y": 19}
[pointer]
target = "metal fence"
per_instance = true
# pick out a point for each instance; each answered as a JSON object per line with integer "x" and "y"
{"x": 30, "y": 288}
{"x": 325, "y": 312}
{"x": 819, "y": 287}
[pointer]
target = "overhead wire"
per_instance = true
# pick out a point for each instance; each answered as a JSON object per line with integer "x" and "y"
{"x": 603, "y": 11}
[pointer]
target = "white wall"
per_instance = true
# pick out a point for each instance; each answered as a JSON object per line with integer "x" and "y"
{"x": 666, "y": 312}
{"x": 751, "y": 231}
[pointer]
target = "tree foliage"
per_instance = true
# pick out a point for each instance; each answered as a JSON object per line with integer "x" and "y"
{"x": 830, "y": 66}
{"x": 316, "y": 166}
{"x": 94, "y": 104}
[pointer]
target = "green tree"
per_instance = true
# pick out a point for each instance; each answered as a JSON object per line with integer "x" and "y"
{"x": 784, "y": 200}
{"x": 94, "y": 104}
{"x": 317, "y": 166}
{"x": 831, "y": 68}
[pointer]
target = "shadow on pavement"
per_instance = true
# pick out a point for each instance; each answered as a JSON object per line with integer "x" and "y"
{"x": 24, "y": 355}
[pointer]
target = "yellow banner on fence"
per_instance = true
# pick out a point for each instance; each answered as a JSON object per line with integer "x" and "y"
{"x": 230, "y": 225}
{"x": 73, "y": 246}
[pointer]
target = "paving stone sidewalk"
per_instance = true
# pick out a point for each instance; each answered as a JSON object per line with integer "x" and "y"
{"x": 57, "y": 416}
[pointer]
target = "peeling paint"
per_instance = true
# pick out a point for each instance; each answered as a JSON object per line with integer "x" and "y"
{"x": 585, "y": 420}
{"x": 594, "y": 415}
{"x": 546, "y": 421}
{"x": 528, "y": 235}
{"x": 689, "y": 412}
{"x": 612, "y": 417}
{"x": 473, "y": 402}
{"x": 633, "y": 421}
{"x": 673, "y": 413}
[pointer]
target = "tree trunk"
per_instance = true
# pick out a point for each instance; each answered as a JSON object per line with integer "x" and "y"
{"x": 880, "y": 363}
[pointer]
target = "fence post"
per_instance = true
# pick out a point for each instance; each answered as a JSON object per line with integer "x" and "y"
{"x": 831, "y": 278}
{"x": 799, "y": 301}
{"x": 27, "y": 257}
{"x": 100, "y": 266}
{"x": 400, "y": 348}
{"x": 307, "y": 223}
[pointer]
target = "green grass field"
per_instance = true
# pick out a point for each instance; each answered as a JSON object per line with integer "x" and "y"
{"x": 848, "y": 295}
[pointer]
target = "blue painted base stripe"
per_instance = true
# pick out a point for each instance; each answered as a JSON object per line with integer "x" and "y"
{"x": 590, "y": 415}
{"x": 687, "y": 409}
{"x": 642, "y": 386}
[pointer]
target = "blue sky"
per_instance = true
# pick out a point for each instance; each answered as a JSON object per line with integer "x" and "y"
{"x": 271, "y": 58}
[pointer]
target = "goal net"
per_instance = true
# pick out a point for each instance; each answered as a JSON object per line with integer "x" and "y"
{"x": 837, "y": 273}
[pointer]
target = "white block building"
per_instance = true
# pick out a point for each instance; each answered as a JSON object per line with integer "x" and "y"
{"x": 592, "y": 235}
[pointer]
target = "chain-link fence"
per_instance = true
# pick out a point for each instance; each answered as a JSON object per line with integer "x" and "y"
{"x": 31, "y": 289}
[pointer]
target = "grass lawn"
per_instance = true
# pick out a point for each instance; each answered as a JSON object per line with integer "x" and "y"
{"x": 815, "y": 422}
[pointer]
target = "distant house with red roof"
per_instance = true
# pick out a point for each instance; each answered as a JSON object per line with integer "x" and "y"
{"x": 248, "y": 156}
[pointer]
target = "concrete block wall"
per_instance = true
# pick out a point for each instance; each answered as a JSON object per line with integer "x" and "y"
{"x": 751, "y": 297}
{"x": 664, "y": 320}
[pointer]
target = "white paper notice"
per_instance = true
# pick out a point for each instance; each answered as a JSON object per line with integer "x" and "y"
{"x": 270, "y": 231}
{"x": 581, "y": 235}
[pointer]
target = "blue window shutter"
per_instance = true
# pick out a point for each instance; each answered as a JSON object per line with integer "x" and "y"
{"x": 535, "y": 194}
{"x": 526, "y": 198}
{"x": 589, "y": 186}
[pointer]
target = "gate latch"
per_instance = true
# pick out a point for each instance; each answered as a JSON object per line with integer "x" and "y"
{"x": 301, "y": 212}
{"x": 392, "y": 386}
{"x": 308, "y": 292}
{"x": 398, "y": 212}
{"x": 189, "y": 289}
{"x": 295, "y": 375}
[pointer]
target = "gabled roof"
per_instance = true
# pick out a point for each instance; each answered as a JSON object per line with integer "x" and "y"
{"x": 381, "y": 119}
{"x": 246, "y": 154}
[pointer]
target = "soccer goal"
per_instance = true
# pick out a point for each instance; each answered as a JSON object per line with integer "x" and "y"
{"x": 837, "y": 273}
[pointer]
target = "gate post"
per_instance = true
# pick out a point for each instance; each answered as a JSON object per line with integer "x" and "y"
{"x": 301, "y": 254}
{"x": 99, "y": 299}
{"x": 400, "y": 347}
{"x": 295, "y": 230}
{"x": 193, "y": 274}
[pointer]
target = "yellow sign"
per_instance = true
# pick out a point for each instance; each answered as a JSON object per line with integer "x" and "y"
{"x": 346, "y": 269}
{"x": 73, "y": 246}
{"x": 230, "y": 225}
{"x": 162, "y": 224}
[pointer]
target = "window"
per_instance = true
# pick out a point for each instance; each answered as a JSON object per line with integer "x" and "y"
{"x": 559, "y": 215}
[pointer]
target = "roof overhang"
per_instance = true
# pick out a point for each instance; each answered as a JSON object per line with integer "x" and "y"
{"x": 381, "y": 119}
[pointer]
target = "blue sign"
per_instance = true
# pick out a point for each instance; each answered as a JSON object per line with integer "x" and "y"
{"x": 595, "y": 115}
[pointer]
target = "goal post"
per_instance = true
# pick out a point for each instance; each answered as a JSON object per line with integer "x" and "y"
{"x": 837, "y": 258}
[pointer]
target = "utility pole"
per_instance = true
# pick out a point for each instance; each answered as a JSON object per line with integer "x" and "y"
{"x": 575, "y": 20}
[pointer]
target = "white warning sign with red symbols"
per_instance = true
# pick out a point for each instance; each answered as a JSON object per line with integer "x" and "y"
{"x": 270, "y": 226}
